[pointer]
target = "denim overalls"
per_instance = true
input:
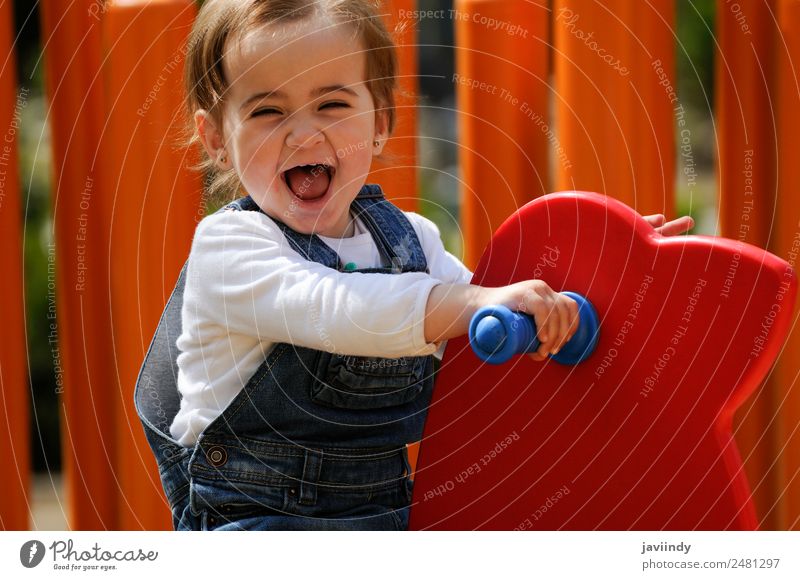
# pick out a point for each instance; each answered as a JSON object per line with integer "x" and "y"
{"x": 314, "y": 441}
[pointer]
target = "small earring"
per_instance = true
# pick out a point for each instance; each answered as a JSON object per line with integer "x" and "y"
{"x": 377, "y": 143}
{"x": 223, "y": 158}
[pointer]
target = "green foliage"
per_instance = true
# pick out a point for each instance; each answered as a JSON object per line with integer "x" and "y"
{"x": 35, "y": 174}
{"x": 695, "y": 52}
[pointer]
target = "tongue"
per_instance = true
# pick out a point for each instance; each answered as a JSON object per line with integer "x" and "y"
{"x": 308, "y": 181}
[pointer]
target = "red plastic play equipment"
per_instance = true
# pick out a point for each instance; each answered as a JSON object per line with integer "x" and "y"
{"x": 638, "y": 436}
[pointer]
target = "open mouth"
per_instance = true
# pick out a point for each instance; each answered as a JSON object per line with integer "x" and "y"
{"x": 309, "y": 182}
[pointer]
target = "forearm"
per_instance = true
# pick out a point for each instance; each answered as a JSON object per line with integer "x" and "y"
{"x": 450, "y": 308}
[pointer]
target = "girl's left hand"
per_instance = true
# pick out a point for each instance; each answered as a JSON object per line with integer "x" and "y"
{"x": 665, "y": 228}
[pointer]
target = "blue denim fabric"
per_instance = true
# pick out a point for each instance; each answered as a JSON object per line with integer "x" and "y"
{"x": 314, "y": 441}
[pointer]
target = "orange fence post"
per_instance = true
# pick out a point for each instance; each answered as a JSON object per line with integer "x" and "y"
{"x": 502, "y": 94}
{"x": 616, "y": 101}
{"x": 396, "y": 170}
{"x": 14, "y": 415}
{"x": 71, "y": 39}
{"x": 746, "y": 146}
{"x": 155, "y": 207}
{"x": 786, "y": 244}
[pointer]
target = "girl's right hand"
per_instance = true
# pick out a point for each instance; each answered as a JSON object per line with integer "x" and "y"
{"x": 556, "y": 314}
{"x": 450, "y": 308}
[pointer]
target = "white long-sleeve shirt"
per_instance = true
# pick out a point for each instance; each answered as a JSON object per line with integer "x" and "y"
{"x": 247, "y": 289}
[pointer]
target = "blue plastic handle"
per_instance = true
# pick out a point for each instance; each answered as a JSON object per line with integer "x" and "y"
{"x": 497, "y": 333}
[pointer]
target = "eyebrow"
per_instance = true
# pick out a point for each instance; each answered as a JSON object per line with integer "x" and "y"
{"x": 318, "y": 92}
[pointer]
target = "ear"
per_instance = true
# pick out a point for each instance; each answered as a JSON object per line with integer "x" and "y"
{"x": 381, "y": 131}
{"x": 212, "y": 139}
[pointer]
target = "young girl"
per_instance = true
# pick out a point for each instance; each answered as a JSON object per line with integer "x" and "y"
{"x": 309, "y": 310}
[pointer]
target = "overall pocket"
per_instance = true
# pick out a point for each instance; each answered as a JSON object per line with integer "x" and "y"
{"x": 357, "y": 382}
{"x": 223, "y": 503}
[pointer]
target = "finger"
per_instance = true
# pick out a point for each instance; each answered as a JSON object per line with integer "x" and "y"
{"x": 563, "y": 322}
{"x": 678, "y": 226}
{"x": 540, "y": 308}
{"x": 573, "y": 319}
{"x": 655, "y": 220}
{"x": 554, "y": 328}
{"x": 537, "y": 357}
{"x": 549, "y": 334}
{"x": 543, "y": 350}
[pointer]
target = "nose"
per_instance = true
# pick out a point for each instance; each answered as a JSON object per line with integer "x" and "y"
{"x": 304, "y": 134}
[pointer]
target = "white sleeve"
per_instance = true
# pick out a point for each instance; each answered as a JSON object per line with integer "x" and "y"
{"x": 442, "y": 265}
{"x": 245, "y": 278}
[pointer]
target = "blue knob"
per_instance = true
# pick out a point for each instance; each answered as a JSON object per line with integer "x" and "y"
{"x": 496, "y": 334}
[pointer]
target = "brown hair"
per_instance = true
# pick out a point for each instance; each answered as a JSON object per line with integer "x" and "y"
{"x": 220, "y": 22}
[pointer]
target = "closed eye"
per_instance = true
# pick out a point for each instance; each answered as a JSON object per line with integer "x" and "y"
{"x": 334, "y": 105}
{"x": 266, "y": 111}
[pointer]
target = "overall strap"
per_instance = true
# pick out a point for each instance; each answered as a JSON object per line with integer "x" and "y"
{"x": 308, "y": 246}
{"x": 390, "y": 228}
{"x": 393, "y": 233}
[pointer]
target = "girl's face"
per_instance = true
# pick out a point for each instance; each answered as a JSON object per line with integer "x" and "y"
{"x": 300, "y": 125}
